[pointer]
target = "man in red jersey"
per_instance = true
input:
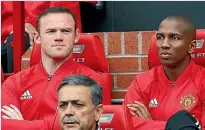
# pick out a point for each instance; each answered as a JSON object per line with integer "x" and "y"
{"x": 29, "y": 97}
{"x": 31, "y": 12}
{"x": 177, "y": 84}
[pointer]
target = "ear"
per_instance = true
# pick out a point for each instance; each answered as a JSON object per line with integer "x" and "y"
{"x": 77, "y": 35}
{"x": 98, "y": 112}
{"x": 192, "y": 46}
{"x": 37, "y": 37}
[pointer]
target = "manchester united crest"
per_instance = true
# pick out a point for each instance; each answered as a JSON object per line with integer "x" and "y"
{"x": 188, "y": 101}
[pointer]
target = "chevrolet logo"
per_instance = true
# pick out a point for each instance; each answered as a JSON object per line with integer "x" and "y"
{"x": 199, "y": 43}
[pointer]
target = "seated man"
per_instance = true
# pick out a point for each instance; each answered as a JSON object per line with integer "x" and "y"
{"x": 30, "y": 95}
{"x": 177, "y": 84}
{"x": 80, "y": 103}
{"x": 32, "y": 10}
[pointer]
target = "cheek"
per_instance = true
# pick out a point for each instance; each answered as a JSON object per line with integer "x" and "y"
{"x": 158, "y": 47}
{"x": 81, "y": 114}
{"x": 46, "y": 37}
{"x": 85, "y": 116}
{"x": 69, "y": 44}
{"x": 46, "y": 42}
{"x": 180, "y": 49}
{"x": 61, "y": 115}
{"x": 70, "y": 37}
{"x": 179, "y": 52}
{"x": 158, "y": 43}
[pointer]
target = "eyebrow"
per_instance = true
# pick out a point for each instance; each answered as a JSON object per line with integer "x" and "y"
{"x": 64, "y": 28}
{"x": 72, "y": 101}
{"x": 158, "y": 33}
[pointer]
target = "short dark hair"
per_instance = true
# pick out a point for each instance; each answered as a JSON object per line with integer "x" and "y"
{"x": 75, "y": 80}
{"x": 56, "y": 9}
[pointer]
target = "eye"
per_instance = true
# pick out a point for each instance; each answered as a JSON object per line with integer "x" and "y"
{"x": 66, "y": 31}
{"x": 159, "y": 37}
{"x": 62, "y": 106}
{"x": 175, "y": 38}
{"x": 78, "y": 105}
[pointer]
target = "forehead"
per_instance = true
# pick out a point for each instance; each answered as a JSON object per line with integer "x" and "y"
{"x": 70, "y": 92}
{"x": 60, "y": 19}
{"x": 171, "y": 26}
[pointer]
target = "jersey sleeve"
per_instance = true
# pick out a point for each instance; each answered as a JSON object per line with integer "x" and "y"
{"x": 134, "y": 94}
{"x": 23, "y": 125}
{"x": 10, "y": 93}
{"x": 50, "y": 122}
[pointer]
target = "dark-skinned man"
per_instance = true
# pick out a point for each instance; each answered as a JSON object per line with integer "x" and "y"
{"x": 177, "y": 84}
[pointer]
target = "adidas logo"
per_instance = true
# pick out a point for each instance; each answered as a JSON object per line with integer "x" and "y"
{"x": 26, "y": 95}
{"x": 199, "y": 43}
{"x": 153, "y": 103}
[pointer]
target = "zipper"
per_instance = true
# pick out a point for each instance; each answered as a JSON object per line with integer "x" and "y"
{"x": 42, "y": 97}
{"x": 171, "y": 85}
{"x": 49, "y": 77}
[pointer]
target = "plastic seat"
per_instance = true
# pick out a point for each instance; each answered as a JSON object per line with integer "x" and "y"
{"x": 115, "y": 118}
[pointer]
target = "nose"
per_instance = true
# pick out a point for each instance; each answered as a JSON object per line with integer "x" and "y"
{"x": 165, "y": 43}
{"x": 69, "y": 110}
{"x": 59, "y": 36}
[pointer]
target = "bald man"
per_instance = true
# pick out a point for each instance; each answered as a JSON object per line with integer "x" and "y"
{"x": 177, "y": 84}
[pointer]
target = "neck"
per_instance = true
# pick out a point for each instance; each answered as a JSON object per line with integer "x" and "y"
{"x": 94, "y": 127}
{"x": 51, "y": 65}
{"x": 173, "y": 73}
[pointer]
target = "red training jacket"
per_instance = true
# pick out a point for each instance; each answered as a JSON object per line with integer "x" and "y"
{"x": 163, "y": 97}
{"x": 34, "y": 93}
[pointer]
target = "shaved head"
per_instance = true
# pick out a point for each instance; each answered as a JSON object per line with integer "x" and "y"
{"x": 185, "y": 24}
{"x": 176, "y": 40}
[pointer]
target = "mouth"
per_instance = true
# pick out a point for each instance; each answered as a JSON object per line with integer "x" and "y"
{"x": 165, "y": 55}
{"x": 58, "y": 45}
{"x": 70, "y": 124}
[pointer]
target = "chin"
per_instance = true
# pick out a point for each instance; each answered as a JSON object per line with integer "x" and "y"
{"x": 166, "y": 62}
{"x": 169, "y": 64}
{"x": 60, "y": 57}
{"x": 74, "y": 128}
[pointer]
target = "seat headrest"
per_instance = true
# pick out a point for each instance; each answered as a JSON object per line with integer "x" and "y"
{"x": 115, "y": 118}
{"x": 198, "y": 55}
{"x": 89, "y": 51}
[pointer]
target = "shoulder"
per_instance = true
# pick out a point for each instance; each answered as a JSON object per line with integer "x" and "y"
{"x": 144, "y": 79}
{"x": 16, "y": 78}
{"x": 86, "y": 71}
{"x": 198, "y": 73}
{"x": 16, "y": 81}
